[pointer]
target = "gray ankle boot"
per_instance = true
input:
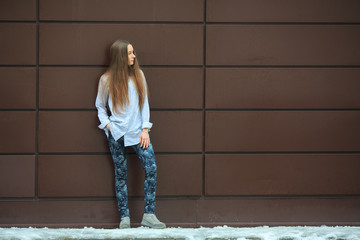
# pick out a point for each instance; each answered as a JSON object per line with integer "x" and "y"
{"x": 125, "y": 222}
{"x": 150, "y": 220}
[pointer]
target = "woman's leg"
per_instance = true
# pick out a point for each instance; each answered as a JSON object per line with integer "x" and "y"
{"x": 147, "y": 158}
{"x": 118, "y": 154}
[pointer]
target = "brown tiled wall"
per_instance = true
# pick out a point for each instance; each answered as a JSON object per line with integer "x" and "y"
{"x": 255, "y": 104}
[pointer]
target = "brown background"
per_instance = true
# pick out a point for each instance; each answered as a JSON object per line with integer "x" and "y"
{"x": 255, "y": 104}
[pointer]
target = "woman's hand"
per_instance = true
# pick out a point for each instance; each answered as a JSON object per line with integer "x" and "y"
{"x": 144, "y": 139}
{"x": 108, "y": 126}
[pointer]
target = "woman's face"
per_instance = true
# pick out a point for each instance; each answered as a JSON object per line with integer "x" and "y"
{"x": 131, "y": 55}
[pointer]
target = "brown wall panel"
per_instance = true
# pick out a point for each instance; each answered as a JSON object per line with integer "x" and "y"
{"x": 76, "y": 88}
{"x": 75, "y": 175}
{"x": 18, "y": 10}
{"x": 68, "y": 88}
{"x": 57, "y": 212}
{"x": 282, "y": 131}
{"x": 285, "y": 174}
{"x": 283, "y": 88}
{"x": 282, "y": 11}
{"x": 93, "y": 175}
{"x": 290, "y": 211}
{"x": 17, "y": 88}
{"x": 282, "y": 45}
{"x": 172, "y": 169}
{"x": 102, "y": 213}
{"x": 17, "y": 43}
{"x": 177, "y": 131}
{"x": 81, "y": 44}
{"x": 70, "y": 131}
{"x": 17, "y": 176}
{"x": 175, "y": 87}
{"x": 110, "y": 10}
{"x": 17, "y": 132}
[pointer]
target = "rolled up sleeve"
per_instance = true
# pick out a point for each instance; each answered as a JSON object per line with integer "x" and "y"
{"x": 145, "y": 115}
{"x": 145, "y": 111}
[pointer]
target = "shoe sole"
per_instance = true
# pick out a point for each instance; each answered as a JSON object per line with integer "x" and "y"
{"x": 147, "y": 224}
{"x": 124, "y": 226}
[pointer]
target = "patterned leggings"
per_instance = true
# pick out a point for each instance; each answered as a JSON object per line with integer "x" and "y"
{"x": 147, "y": 158}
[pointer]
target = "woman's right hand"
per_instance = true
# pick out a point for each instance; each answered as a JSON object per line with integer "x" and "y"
{"x": 108, "y": 126}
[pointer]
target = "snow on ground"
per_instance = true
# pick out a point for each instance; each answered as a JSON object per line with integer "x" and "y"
{"x": 261, "y": 233}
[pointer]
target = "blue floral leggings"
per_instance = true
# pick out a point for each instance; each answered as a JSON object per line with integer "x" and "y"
{"x": 147, "y": 158}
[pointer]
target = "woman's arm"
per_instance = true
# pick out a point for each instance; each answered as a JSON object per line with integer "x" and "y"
{"x": 100, "y": 103}
{"x": 145, "y": 111}
{"x": 145, "y": 117}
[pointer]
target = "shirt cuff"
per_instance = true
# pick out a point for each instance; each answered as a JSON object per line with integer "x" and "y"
{"x": 147, "y": 125}
{"x": 103, "y": 125}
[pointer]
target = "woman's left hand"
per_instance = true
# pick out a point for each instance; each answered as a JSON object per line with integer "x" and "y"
{"x": 144, "y": 139}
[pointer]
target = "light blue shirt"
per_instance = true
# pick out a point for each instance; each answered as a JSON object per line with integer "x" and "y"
{"x": 130, "y": 121}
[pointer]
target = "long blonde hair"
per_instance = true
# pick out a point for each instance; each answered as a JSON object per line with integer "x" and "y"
{"x": 118, "y": 74}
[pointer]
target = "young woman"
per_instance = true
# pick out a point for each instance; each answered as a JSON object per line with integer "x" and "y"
{"x": 123, "y": 89}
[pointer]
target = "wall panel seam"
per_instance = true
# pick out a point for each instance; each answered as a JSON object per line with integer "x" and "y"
{"x": 17, "y": 66}
{"x": 284, "y": 23}
{"x": 94, "y": 110}
{"x": 121, "y": 22}
{"x": 282, "y": 109}
{"x": 192, "y": 110}
{"x": 204, "y": 104}
{"x": 187, "y": 66}
{"x": 180, "y": 153}
{"x": 102, "y": 153}
{"x": 37, "y": 98}
{"x": 179, "y": 22}
{"x": 105, "y": 66}
{"x": 290, "y": 196}
{"x": 17, "y": 22}
{"x": 17, "y": 110}
{"x": 286, "y": 152}
{"x": 282, "y": 66}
